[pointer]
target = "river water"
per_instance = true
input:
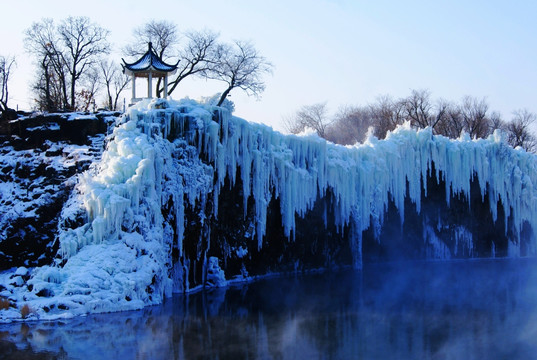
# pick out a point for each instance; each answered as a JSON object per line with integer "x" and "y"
{"x": 483, "y": 309}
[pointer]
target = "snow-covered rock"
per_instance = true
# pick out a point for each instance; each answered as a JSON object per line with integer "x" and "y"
{"x": 39, "y": 158}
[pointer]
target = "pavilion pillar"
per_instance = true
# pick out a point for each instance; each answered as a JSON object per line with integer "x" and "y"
{"x": 150, "y": 85}
{"x": 133, "y": 88}
{"x": 165, "y": 95}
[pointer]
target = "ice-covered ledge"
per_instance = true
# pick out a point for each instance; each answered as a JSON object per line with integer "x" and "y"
{"x": 298, "y": 169}
{"x": 165, "y": 156}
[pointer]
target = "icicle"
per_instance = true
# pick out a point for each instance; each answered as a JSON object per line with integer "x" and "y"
{"x": 124, "y": 194}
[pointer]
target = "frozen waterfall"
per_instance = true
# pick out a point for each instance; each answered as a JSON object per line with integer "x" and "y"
{"x": 165, "y": 155}
{"x": 298, "y": 169}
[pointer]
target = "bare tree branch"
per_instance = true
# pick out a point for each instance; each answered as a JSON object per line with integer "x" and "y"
{"x": 240, "y": 66}
{"x": 65, "y": 54}
{"x": 84, "y": 42}
{"x": 198, "y": 57}
{"x": 42, "y": 41}
{"x": 162, "y": 34}
{"x": 114, "y": 81}
{"x": 518, "y": 130}
{"x": 418, "y": 109}
{"x": 309, "y": 116}
{"x": 474, "y": 115}
{"x": 6, "y": 65}
{"x": 386, "y": 114}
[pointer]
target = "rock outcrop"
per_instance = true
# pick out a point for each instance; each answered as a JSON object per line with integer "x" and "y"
{"x": 40, "y": 155}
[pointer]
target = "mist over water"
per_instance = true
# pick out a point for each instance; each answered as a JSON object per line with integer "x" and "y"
{"x": 482, "y": 309}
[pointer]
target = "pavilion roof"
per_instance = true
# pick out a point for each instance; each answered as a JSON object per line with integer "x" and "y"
{"x": 150, "y": 61}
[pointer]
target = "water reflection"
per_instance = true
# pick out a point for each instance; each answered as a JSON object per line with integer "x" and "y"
{"x": 470, "y": 310}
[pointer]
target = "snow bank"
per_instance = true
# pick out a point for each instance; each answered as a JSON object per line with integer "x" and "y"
{"x": 121, "y": 258}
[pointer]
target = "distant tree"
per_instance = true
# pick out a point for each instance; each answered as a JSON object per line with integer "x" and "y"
{"x": 418, "y": 109}
{"x": 518, "y": 130}
{"x": 450, "y": 122}
{"x": 42, "y": 41}
{"x": 240, "y": 66}
{"x": 350, "y": 125}
{"x": 65, "y": 54}
{"x": 450, "y": 119}
{"x": 471, "y": 116}
{"x": 6, "y": 65}
{"x": 386, "y": 114}
{"x": 84, "y": 43}
{"x": 86, "y": 97}
{"x": 496, "y": 122}
{"x": 114, "y": 81}
{"x": 309, "y": 116}
{"x": 162, "y": 34}
{"x": 474, "y": 116}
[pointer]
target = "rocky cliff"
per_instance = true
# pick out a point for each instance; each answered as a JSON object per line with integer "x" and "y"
{"x": 186, "y": 196}
{"x": 40, "y": 156}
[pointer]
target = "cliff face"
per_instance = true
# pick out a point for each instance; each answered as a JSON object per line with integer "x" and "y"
{"x": 463, "y": 230}
{"x": 40, "y": 157}
{"x": 277, "y": 203}
{"x": 186, "y": 196}
{"x": 412, "y": 197}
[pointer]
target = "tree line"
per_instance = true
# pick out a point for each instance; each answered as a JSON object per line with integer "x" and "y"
{"x": 73, "y": 66}
{"x": 471, "y": 115}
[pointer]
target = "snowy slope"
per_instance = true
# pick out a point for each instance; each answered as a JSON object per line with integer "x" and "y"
{"x": 165, "y": 155}
{"x": 39, "y": 159}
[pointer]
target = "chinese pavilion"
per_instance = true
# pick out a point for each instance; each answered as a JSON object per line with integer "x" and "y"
{"x": 149, "y": 66}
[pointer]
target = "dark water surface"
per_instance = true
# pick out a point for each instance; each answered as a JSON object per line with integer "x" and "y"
{"x": 451, "y": 310}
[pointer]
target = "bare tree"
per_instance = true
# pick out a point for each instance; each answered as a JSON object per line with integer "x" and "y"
{"x": 309, "y": 116}
{"x": 84, "y": 43}
{"x": 450, "y": 119}
{"x": 114, "y": 81}
{"x": 199, "y": 56}
{"x": 240, "y": 66}
{"x": 86, "y": 97}
{"x": 42, "y": 41}
{"x": 6, "y": 65}
{"x": 350, "y": 125}
{"x": 496, "y": 122}
{"x": 49, "y": 87}
{"x": 386, "y": 114}
{"x": 450, "y": 122}
{"x": 196, "y": 56}
{"x": 164, "y": 37}
{"x": 474, "y": 115}
{"x": 162, "y": 34}
{"x": 418, "y": 109}
{"x": 518, "y": 130}
{"x": 64, "y": 54}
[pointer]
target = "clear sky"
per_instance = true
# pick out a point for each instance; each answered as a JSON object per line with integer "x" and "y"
{"x": 343, "y": 52}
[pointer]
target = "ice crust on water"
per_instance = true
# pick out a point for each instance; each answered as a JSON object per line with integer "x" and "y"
{"x": 121, "y": 258}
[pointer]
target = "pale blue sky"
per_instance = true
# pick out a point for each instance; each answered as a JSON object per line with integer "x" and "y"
{"x": 339, "y": 51}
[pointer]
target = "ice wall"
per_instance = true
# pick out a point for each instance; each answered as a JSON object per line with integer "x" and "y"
{"x": 364, "y": 177}
{"x": 127, "y": 215}
{"x": 296, "y": 170}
